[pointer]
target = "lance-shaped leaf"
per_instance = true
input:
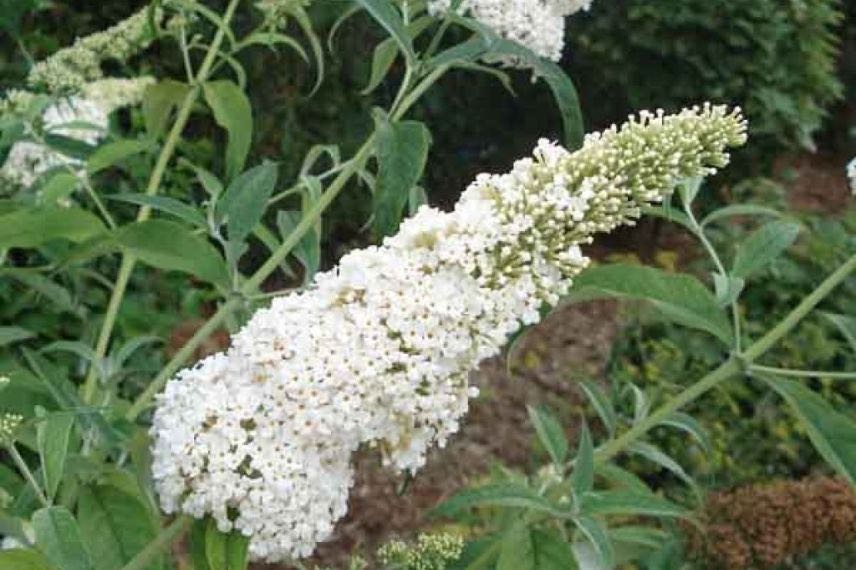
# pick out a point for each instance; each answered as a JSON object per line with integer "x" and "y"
{"x": 58, "y": 537}
{"x": 597, "y": 538}
{"x": 19, "y": 559}
{"x": 550, "y": 433}
{"x": 171, "y": 246}
{"x": 832, "y": 433}
{"x": 53, "y": 433}
{"x": 680, "y": 298}
{"x": 33, "y": 227}
{"x": 497, "y": 495}
{"x": 582, "y": 477}
{"x": 116, "y": 526}
{"x": 628, "y": 503}
{"x": 386, "y": 14}
{"x": 602, "y": 405}
{"x": 245, "y": 200}
{"x": 233, "y": 112}
{"x": 402, "y": 150}
{"x": 763, "y": 246}
{"x": 112, "y": 153}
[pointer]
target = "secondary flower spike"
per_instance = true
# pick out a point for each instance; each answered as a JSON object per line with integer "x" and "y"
{"x": 378, "y": 351}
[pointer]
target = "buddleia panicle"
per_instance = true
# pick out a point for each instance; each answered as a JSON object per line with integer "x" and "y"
{"x": 431, "y": 552}
{"x": 69, "y": 69}
{"x": 9, "y": 424}
{"x": 378, "y": 351}
{"x": 537, "y": 24}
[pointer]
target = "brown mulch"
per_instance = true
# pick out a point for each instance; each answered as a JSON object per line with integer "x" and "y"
{"x": 816, "y": 182}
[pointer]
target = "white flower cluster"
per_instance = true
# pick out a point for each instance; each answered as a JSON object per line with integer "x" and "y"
{"x": 83, "y": 118}
{"x": 851, "y": 175}
{"x": 378, "y": 351}
{"x": 537, "y": 24}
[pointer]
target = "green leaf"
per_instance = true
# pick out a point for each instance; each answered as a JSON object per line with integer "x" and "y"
{"x": 386, "y": 14}
{"x": 308, "y": 249}
{"x": 402, "y": 150}
{"x": 550, "y": 433}
{"x": 225, "y": 551}
{"x": 116, "y": 527}
{"x": 53, "y": 433}
{"x": 656, "y": 455}
{"x": 763, "y": 246}
{"x": 739, "y": 210}
{"x": 33, "y": 227}
{"x": 59, "y": 187}
{"x": 669, "y": 214}
{"x": 627, "y": 503}
{"x": 18, "y": 559}
{"x": 165, "y": 204}
{"x": 159, "y": 101}
{"x": 846, "y": 324}
{"x": 595, "y": 533}
{"x": 832, "y": 433}
{"x": 622, "y": 478}
{"x": 112, "y": 153}
{"x": 602, "y": 405}
{"x": 171, "y": 246}
{"x": 680, "y": 298}
{"x": 727, "y": 288}
{"x": 496, "y": 495}
{"x": 688, "y": 190}
{"x": 517, "y": 551}
{"x": 690, "y": 425}
{"x": 564, "y": 92}
{"x": 11, "y": 335}
{"x": 552, "y": 552}
{"x": 233, "y": 112}
{"x": 385, "y": 52}
{"x": 197, "y": 545}
{"x": 58, "y": 537}
{"x": 245, "y": 200}
{"x": 582, "y": 477}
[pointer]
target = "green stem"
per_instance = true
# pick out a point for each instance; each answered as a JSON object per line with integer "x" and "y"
{"x": 166, "y": 537}
{"x": 732, "y": 367}
{"x": 28, "y": 475}
{"x": 170, "y": 144}
{"x": 251, "y": 285}
{"x": 699, "y": 232}
{"x": 802, "y": 373}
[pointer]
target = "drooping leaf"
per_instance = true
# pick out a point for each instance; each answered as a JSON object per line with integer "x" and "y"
{"x": 53, "y": 433}
{"x": 111, "y": 153}
{"x": 832, "y": 433}
{"x": 402, "y": 150}
{"x": 11, "y": 335}
{"x": 243, "y": 203}
{"x": 846, "y": 324}
{"x": 656, "y": 455}
{"x": 386, "y": 14}
{"x": 171, "y": 246}
{"x": 690, "y": 425}
{"x": 33, "y": 227}
{"x": 233, "y": 112}
{"x": 550, "y": 433}
{"x": 669, "y": 214}
{"x": 622, "y": 478}
{"x": 740, "y": 210}
{"x": 166, "y": 204}
{"x": 496, "y": 495}
{"x": 763, "y": 246}
{"x": 680, "y": 298}
{"x": 159, "y": 101}
{"x": 58, "y": 538}
{"x": 115, "y": 525}
{"x": 602, "y": 405}
{"x": 59, "y": 187}
{"x": 564, "y": 92}
{"x": 308, "y": 249}
{"x": 582, "y": 477}
{"x": 628, "y": 503}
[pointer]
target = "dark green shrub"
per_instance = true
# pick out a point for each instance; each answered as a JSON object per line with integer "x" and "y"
{"x": 774, "y": 58}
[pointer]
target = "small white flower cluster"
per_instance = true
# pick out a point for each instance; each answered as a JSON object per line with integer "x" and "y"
{"x": 851, "y": 175}
{"x": 8, "y": 425}
{"x": 84, "y": 118}
{"x": 378, "y": 351}
{"x": 67, "y": 71}
{"x": 537, "y": 24}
